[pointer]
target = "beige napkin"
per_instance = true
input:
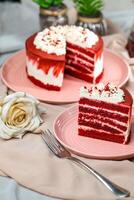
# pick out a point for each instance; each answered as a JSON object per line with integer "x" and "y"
{"x": 117, "y": 43}
{"x": 31, "y": 164}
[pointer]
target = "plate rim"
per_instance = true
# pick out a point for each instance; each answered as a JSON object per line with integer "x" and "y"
{"x": 81, "y": 154}
{"x": 125, "y": 62}
{"x": 58, "y": 101}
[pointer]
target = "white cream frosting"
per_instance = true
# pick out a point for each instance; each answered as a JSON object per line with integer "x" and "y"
{"x": 98, "y": 66}
{"x": 50, "y": 41}
{"x": 81, "y": 36}
{"x": 49, "y": 78}
{"x": 108, "y": 93}
{"x": 53, "y": 39}
{"x": 18, "y": 113}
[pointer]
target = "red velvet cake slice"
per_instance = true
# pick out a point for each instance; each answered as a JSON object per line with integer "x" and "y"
{"x": 105, "y": 113}
{"x": 45, "y": 61}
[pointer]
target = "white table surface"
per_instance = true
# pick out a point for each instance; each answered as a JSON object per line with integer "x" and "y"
{"x": 17, "y": 22}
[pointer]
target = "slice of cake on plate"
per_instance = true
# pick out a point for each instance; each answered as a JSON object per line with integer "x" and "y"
{"x": 78, "y": 50}
{"x": 105, "y": 113}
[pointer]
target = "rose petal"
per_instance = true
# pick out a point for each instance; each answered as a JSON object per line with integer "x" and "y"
{"x": 19, "y": 112}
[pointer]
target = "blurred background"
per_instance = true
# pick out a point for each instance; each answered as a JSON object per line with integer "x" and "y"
{"x": 20, "y": 18}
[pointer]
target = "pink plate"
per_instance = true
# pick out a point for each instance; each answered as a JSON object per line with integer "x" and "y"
{"x": 14, "y": 76}
{"x": 65, "y": 130}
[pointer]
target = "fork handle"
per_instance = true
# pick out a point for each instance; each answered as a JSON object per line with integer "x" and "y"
{"x": 117, "y": 190}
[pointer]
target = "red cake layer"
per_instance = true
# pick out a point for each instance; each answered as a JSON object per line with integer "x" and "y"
{"x": 103, "y": 136}
{"x": 46, "y": 86}
{"x": 79, "y": 66}
{"x": 80, "y": 55}
{"x": 91, "y": 117}
{"x": 79, "y": 49}
{"x": 104, "y": 113}
{"x": 98, "y": 125}
{"x": 88, "y": 51}
{"x": 78, "y": 74}
{"x": 78, "y": 61}
{"x": 87, "y": 54}
{"x": 105, "y": 120}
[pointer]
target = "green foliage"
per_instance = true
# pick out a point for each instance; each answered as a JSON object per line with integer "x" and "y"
{"x": 48, "y": 3}
{"x": 89, "y": 7}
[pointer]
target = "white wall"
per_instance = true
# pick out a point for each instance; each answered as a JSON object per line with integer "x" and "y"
{"x": 114, "y": 5}
{"x": 110, "y": 5}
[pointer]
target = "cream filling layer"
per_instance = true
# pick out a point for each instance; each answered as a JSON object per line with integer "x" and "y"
{"x": 76, "y": 61}
{"x": 110, "y": 111}
{"x": 77, "y": 70}
{"x": 125, "y": 134}
{"x": 80, "y": 53}
{"x": 98, "y": 66}
{"x": 114, "y": 120}
{"x": 105, "y": 123}
{"x": 32, "y": 70}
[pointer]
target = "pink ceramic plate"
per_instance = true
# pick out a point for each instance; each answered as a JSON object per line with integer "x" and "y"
{"x": 65, "y": 130}
{"x": 14, "y": 76}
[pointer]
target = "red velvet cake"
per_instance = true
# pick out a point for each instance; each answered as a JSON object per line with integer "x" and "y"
{"x": 78, "y": 50}
{"x": 105, "y": 113}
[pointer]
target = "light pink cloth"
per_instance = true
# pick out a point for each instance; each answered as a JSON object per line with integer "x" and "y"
{"x": 31, "y": 164}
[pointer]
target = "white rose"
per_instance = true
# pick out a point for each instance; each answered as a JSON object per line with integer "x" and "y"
{"x": 18, "y": 113}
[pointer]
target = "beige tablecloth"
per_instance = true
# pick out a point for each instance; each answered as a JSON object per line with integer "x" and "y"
{"x": 31, "y": 164}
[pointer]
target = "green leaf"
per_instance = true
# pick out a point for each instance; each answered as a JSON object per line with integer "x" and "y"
{"x": 57, "y": 2}
{"x": 89, "y": 7}
{"x": 48, "y": 3}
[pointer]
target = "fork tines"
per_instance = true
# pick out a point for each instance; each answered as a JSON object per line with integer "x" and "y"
{"x": 51, "y": 138}
{"x": 53, "y": 144}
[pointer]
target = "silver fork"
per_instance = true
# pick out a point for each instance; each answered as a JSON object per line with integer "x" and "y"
{"x": 60, "y": 151}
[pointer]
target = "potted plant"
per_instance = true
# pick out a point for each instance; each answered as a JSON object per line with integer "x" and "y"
{"x": 90, "y": 15}
{"x": 52, "y": 12}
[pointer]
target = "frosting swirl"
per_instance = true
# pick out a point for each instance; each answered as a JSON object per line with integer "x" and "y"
{"x": 109, "y": 93}
{"x": 53, "y": 39}
{"x": 18, "y": 113}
